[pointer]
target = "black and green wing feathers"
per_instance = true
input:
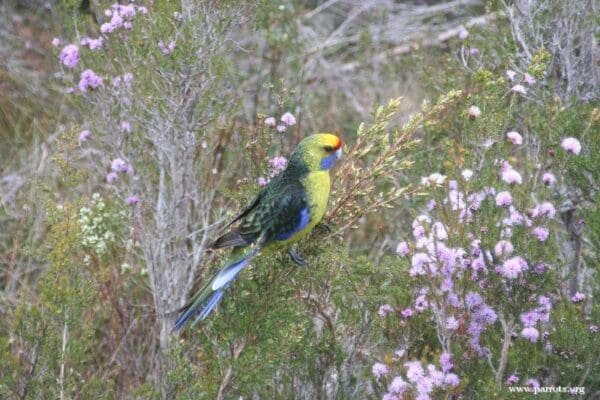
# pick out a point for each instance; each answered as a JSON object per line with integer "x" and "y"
{"x": 276, "y": 214}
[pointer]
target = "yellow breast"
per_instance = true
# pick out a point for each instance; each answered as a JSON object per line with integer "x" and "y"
{"x": 317, "y": 186}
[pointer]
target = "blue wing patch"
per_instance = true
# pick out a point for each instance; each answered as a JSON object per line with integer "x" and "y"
{"x": 304, "y": 220}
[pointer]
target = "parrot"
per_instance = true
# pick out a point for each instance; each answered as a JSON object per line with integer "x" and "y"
{"x": 283, "y": 212}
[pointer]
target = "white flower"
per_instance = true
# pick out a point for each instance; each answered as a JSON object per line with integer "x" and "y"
{"x": 519, "y": 89}
{"x": 435, "y": 179}
{"x": 467, "y": 174}
{"x": 474, "y": 112}
{"x": 514, "y": 137}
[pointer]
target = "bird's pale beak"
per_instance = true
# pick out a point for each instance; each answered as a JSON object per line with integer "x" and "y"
{"x": 338, "y": 153}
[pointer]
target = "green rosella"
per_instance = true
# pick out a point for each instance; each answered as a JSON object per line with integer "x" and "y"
{"x": 283, "y": 212}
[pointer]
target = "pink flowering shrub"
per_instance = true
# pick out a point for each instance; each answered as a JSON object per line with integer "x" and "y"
{"x": 483, "y": 260}
{"x": 480, "y": 274}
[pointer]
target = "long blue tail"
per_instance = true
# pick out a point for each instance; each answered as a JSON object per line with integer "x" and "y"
{"x": 207, "y": 298}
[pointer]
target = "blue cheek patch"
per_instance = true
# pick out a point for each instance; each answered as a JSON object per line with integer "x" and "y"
{"x": 328, "y": 161}
{"x": 304, "y": 220}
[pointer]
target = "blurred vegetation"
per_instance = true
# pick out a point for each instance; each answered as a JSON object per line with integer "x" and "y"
{"x": 83, "y": 307}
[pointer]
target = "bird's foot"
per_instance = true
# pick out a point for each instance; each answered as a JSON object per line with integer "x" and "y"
{"x": 325, "y": 227}
{"x": 296, "y": 258}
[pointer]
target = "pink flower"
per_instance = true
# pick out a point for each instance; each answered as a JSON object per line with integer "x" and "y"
{"x": 278, "y": 163}
{"x": 84, "y": 135}
{"x": 540, "y": 233}
{"x": 116, "y": 21}
{"x": 288, "y": 119}
{"x": 452, "y": 380}
{"x": 125, "y": 127}
{"x": 473, "y": 300}
{"x": 421, "y": 303}
{"x": 578, "y": 297}
{"x": 514, "y": 137}
{"x": 93, "y": 44}
{"x": 89, "y": 80}
{"x": 384, "y": 310}
{"x": 510, "y": 74}
{"x": 118, "y": 165}
{"x": 519, "y": 89}
{"x": 532, "y": 383}
{"x": 529, "y": 318}
{"x": 379, "y": 370}
{"x": 593, "y": 328}
{"x": 127, "y": 79}
{"x": 261, "y": 181}
{"x": 549, "y": 179}
{"x": 69, "y": 56}
{"x": 124, "y": 80}
{"x": 545, "y": 209}
{"x": 407, "y": 313}
{"x": 431, "y": 205}
{"x": 168, "y": 49}
{"x": 128, "y": 11}
{"x": 512, "y": 267}
{"x": 270, "y": 122}
{"x": 474, "y": 112}
{"x": 512, "y": 380}
{"x": 530, "y": 334}
{"x": 415, "y": 371}
{"x": 111, "y": 177}
{"x": 281, "y": 128}
{"x": 571, "y": 145}
{"x": 107, "y": 27}
{"x": 446, "y": 362}
{"x": 132, "y": 200}
{"x": 419, "y": 260}
{"x": 452, "y": 323}
{"x": 398, "y": 385}
{"x": 163, "y": 49}
{"x": 463, "y": 33}
{"x": 402, "y": 249}
{"x": 503, "y": 199}
{"x": 56, "y": 42}
{"x": 511, "y": 177}
{"x": 473, "y": 51}
{"x": 503, "y": 247}
{"x": 529, "y": 79}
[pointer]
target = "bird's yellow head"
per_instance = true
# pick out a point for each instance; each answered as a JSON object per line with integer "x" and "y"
{"x": 318, "y": 152}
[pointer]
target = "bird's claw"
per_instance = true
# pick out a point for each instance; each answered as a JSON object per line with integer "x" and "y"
{"x": 296, "y": 258}
{"x": 325, "y": 227}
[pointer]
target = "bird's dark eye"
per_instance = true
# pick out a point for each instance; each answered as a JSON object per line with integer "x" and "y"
{"x": 328, "y": 148}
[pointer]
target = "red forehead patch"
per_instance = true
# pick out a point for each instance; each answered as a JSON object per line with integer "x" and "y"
{"x": 339, "y": 144}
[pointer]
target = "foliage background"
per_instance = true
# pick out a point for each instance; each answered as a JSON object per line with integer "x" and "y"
{"x": 89, "y": 285}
